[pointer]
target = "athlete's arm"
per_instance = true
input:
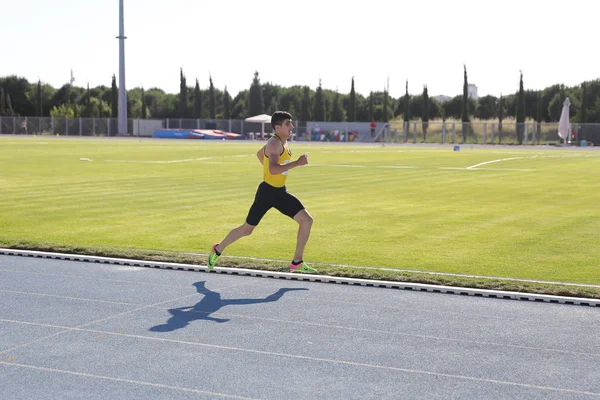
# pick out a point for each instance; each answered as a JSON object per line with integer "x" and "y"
{"x": 261, "y": 154}
{"x": 273, "y": 150}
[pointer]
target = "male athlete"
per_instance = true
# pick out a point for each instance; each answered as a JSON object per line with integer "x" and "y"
{"x": 275, "y": 157}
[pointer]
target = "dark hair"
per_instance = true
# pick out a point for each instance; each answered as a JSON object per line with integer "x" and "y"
{"x": 278, "y": 117}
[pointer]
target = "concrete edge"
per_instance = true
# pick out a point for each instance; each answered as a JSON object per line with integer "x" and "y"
{"x": 498, "y": 294}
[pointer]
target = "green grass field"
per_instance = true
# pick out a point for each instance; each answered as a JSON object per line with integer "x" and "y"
{"x": 533, "y": 215}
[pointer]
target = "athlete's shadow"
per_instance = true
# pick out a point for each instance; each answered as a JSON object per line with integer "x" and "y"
{"x": 210, "y": 303}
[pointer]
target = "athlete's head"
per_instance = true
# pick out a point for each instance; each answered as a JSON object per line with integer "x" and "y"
{"x": 282, "y": 123}
{"x": 279, "y": 117}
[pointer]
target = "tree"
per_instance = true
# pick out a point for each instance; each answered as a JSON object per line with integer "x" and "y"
{"x": 385, "y": 113}
{"x": 425, "y": 113}
{"x": 547, "y": 96}
{"x": 9, "y": 108}
{"x": 465, "y": 107}
{"x": 539, "y": 115}
{"x": 63, "y": 110}
{"x": 183, "y": 96}
{"x": 144, "y": 107}
{"x": 500, "y": 118}
{"x": 87, "y": 110}
{"x": 453, "y": 107}
{"x": 197, "y": 100}
{"x": 583, "y": 110}
{"x": 338, "y": 113}
{"x": 256, "y": 97}
{"x": 435, "y": 109}
{"x": 305, "y": 108}
{"x": 530, "y": 107}
{"x": 274, "y": 105}
{"x": 406, "y": 105}
{"x": 487, "y": 107}
{"x": 352, "y": 104}
{"x": 2, "y": 102}
{"x": 290, "y": 99}
{"x": 556, "y": 103}
{"x": 212, "y": 102}
{"x": 99, "y": 108}
{"x": 520, "y": 111}
{"x": 226, "y": 104}
{"x": 239, "y": 107}
{"x": 319, "y": 105}
{"x": 270, "y": 97}
{"x": 40, "y": 112}
{"x": 371, "y": 107}
{"x": 19, "y": 91}
{"x": 114, "y": 98}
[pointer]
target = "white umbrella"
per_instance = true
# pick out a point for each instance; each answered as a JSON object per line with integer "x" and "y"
{"x": 262, "y": 119}
{"x": 564, "y": 127}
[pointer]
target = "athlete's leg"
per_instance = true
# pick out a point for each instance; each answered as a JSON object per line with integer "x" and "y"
{"x": 237, "y": 233}
{"x": 305, "y": 221}
{"x": 258, "y": 209}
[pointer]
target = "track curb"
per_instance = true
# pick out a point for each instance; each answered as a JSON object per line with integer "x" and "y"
{"x": 498, "y": 294}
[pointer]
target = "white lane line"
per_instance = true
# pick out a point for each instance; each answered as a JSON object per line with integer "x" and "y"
{"x": 106, "y": 319}
{"x": 336, "y": 301}
{"x": 153, "y": 305}
{"x": 123, "y": 380}
{"x": 379, "y": 331}
{"x": 70, "y": 298}
{"x": 136, "y": 283}
{"x": 494, "y": 161}
{"x": 328, "y": 326}
{"x": 335, "y": 361}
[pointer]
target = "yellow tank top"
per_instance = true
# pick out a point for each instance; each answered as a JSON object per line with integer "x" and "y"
{"x": 284, "y": 158}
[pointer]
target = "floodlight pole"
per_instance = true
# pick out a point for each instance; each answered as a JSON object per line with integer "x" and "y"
{"x": 122, "y": 91}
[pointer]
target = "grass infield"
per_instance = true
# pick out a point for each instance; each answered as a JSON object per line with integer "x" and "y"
{"x": 526, "y": 213}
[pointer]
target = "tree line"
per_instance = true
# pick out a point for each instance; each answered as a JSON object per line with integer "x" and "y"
{"x": 20, "y": 97}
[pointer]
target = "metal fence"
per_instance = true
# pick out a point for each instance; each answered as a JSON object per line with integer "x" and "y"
{"x": 411, "y": 132}
{"x": 60, "y": 126}
{"x": 488, "y": 133}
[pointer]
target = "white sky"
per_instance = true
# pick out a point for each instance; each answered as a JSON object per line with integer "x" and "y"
{"x": 297, "y": 42}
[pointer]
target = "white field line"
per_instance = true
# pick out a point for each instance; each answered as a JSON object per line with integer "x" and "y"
{"x": 397, "y": 166}
{"x": 487, "y": 169}
{"x": 228, "y": 162}
{"x": 339, "y": 165}
{"x": 494, "y": 161}
{"x": 206, "y": 160}
{"x": 501, "y": 169}
{"x": 149, "y": 162}
{"x": 173, "y": 161}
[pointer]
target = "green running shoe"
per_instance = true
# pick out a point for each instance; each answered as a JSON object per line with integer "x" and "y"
{"x": 302, "y": 267}
{"x": 213, "y": 257}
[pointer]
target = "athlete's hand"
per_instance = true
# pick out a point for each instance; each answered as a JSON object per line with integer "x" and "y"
{"x": 303, "y": 159}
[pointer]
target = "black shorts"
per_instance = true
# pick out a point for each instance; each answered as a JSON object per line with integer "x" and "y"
{"x": 268, "y": 196}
